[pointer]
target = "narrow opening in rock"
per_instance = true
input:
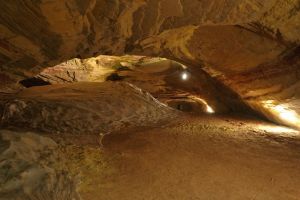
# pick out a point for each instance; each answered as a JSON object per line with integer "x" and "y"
{"x": 34, "y": 81}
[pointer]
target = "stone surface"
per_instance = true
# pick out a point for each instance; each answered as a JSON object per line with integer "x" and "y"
{"x": 84, "y": 108}
{"x": 160, "y": 77}
{"x": 226, "y": 38}
{"x": 32, "y": 168}
{"x": 203, "y": 157}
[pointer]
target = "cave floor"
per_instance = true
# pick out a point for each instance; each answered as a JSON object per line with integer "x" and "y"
{"x": 204, "y": 157}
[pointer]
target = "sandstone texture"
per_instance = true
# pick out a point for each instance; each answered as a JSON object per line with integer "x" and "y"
{"x": 249, "y": 46}
{"x": 106, "y": 71}
{"x": 31, "y": 168}
{"x": 84, "y": 108}
{"x": 159, "y": 76}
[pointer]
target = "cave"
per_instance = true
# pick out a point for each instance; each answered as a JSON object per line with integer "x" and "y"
{"x": 149, "y": 99}
{"x": 32, "y": 82}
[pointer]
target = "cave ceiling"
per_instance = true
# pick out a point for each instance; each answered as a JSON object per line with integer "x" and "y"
{"x": 250, "y": 47}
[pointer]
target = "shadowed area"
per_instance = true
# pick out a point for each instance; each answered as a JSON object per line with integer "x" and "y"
{"x": 149, "y": 99}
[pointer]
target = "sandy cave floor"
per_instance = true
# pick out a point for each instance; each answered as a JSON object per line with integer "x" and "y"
{"x": 206, "y": 157}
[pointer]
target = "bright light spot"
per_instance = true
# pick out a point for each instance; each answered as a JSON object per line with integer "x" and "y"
{"x": 277, "y": 129}
{"x": 286, "y": 114}
{"x": 283, "y": 113}
{"x": 184, "y": 76}
{"x": 209, "y": 109}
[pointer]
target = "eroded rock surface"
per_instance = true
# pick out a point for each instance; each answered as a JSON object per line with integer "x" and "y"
{"x": 31, "y": 168}
{"x": 85, "y": 108}
{"x": 159, "y": 76}
{"x": 36, "y": 34}
{"x": 225, "y": 38}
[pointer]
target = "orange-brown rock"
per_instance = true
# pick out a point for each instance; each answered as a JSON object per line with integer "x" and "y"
{"x": 227, "y": 39}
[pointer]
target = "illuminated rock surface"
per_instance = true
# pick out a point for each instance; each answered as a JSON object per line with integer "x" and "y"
{"x": 84, "y": 108}
{"x": 203, "y": 57}
{"x": 231, "y": 40}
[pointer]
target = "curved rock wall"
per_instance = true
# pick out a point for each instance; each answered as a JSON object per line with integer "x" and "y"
{"x": 273, "y": 89}
{"x": 224, "y": 38}
{"x": 85, "y": 108}
{"x": 36, "y": 34}
{"x": 158, "y": 76}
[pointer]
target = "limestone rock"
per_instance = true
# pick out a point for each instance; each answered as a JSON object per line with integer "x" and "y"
{"x": 84, "y": 108}
{"x": 226, "y": 38}
{"x": 30, "y": 169}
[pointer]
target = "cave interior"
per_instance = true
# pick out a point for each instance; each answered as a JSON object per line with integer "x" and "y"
{"x": 149, "y": 99}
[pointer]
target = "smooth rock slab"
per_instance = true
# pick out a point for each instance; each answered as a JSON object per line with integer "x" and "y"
{"x": 84, "y": 108}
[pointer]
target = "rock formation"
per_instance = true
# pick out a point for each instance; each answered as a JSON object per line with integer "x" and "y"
{"x": 159, "y": 76}
{"x": 31, "y": 168}
{"x": 84, "y": 108}
{"x": 250, "y": 46}
{"x": 107, "y": 66}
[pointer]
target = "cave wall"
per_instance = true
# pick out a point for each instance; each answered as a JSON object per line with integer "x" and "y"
{"x": 33, "y": 167}
{"x": 227, "y": 39}
{"x": 37, "y": 34}
{"x": 159, "y": 76}
{"x": 84, "y": 108}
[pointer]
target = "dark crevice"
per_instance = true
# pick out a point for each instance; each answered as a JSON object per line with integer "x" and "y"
{"x": 114, "y": 77}
{"x": 34, "y": 81}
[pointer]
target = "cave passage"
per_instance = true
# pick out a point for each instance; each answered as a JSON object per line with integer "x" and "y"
{"x": 150, "y": 100}
{"x": 31, "y": 82}
{"x": 137, "y": 127}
